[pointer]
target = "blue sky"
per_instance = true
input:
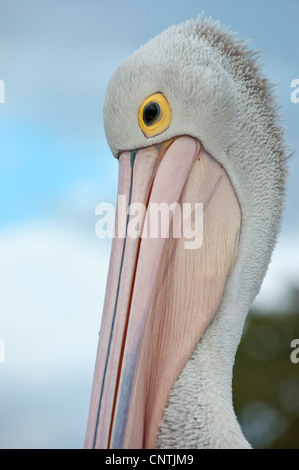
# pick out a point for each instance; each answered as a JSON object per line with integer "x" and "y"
{"x": 56, "y": 58}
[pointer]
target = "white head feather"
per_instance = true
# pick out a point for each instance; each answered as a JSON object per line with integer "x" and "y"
{"x": 216, "y": 94}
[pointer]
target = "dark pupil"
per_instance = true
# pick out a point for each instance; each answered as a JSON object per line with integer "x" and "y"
{"x": 150, "y": 113}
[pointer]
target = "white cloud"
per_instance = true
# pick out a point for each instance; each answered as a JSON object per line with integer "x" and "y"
{"x": 52, "y": 289}
{"x": 283, "y": 273}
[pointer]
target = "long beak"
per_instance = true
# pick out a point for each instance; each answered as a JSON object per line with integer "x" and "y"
{"x": 160, "y": 296}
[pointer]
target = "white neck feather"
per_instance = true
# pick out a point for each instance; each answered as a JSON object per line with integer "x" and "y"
{"x": 200, "y": 412}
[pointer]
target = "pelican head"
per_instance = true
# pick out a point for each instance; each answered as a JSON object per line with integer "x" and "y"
{"x": 191, "y": 120}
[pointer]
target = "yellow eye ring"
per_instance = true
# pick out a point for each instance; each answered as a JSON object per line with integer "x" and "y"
{"x": 154, "y": 115}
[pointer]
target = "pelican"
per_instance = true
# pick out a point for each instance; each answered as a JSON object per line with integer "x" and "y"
{"x": 191, "y": 119}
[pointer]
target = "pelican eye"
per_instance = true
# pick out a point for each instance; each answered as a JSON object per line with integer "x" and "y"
{"x": 154, "y": 115}
{"x": 151, "y": 113}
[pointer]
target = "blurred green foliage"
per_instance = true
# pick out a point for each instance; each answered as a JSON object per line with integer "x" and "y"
{"x": 266, "y": 381}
